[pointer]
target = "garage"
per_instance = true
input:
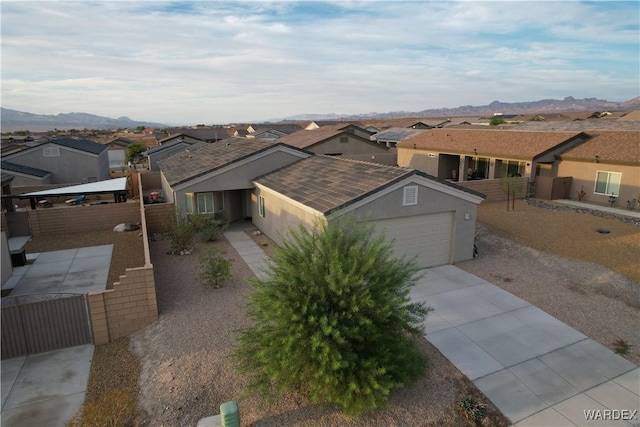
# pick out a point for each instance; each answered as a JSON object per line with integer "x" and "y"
{"x": 429, "y": 237}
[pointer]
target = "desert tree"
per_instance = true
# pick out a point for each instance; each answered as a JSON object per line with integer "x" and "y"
{"x": 332, "y": 319}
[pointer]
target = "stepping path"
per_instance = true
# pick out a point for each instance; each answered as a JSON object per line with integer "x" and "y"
{"x": 534, "y": 368}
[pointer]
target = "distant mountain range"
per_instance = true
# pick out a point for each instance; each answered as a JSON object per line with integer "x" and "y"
{"x": 568, "y": 104}
{"x": 12, "y": 120}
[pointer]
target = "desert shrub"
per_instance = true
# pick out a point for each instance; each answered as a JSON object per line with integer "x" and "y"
{"x": 333, "y": 319}
{"x": 214, "y": 268}
{"x": 181, "y": 234}
{"x": 207, "y": 229}
{"x": 471, "y": 408}
{"x": 621, "y": 347}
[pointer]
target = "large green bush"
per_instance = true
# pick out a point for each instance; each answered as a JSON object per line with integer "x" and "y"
{"x": 333, "y": 319}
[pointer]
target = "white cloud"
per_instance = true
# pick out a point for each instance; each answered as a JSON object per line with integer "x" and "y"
{"x": 230, "y": 61}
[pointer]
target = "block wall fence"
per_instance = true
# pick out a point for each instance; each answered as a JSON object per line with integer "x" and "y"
{"x": 491, "y": 188}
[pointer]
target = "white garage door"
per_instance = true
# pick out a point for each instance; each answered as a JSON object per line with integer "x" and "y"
{"x": 427, "y": 236}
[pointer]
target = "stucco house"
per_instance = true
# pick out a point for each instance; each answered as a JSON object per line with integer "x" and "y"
{"x": 216, "y": 179}
{"x": 606, "y": 164}
{"x": 462, "y": 155}
{"x": 68, "y": 161}
{"x": 426, "y": 217}
{"x": 392, "y": 136}
{"x": 168, "y": 149}
{"x": 279, "y": 186}
{"x": 341, "y": 139}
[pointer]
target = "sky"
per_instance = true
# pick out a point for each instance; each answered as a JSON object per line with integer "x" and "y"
{"x": 216, "y": 62}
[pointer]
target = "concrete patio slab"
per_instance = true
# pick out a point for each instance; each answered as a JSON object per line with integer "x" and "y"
{"x": 549, "y": 417}
{"x": 48, "y": 388}
{"x": 55, "y": 256}
{"x": 614, "y": 396}
{"x": 39, "y": 269}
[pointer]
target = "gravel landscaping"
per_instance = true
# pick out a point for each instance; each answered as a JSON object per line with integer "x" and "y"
{"x": 553, "y": 258}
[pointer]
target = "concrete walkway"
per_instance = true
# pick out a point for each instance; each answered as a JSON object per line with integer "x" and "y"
{"x": 534, "y": 368}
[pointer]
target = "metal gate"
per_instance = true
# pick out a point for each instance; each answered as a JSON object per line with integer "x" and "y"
{"x": 18, "y": 224}
{"x": 36, "y": 323}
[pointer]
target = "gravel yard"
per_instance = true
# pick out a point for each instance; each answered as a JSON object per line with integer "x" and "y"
{"x": 554, "y": 259}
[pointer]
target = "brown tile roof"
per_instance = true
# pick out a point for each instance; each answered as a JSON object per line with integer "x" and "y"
{"x": 327, "y": 183}
{"x": 307, "y": 138}
{"x": 497, "y": 143}
{"x": 190, "y": 164}
{"x": 580, "y": 125}
{"x": 609, "y": 146}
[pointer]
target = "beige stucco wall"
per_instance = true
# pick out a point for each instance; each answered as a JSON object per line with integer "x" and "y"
{"x": 352, "y": 146}
{"x": 281, "y": 214}
{"x": 584, "y": 175}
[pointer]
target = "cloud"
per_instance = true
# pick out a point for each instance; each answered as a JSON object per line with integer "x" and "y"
{"x": 203, "y": 62}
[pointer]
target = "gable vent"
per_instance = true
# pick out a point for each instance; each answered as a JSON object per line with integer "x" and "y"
{"x": 410, "y": 195}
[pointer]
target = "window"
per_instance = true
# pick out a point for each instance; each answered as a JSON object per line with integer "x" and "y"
{"x": 204, "y": 202}
{"x": 608, "y": 183}
{"x": 51, "y": 152}
{"x": 261, "y": 206}
{"x": 190, "y": 203}
{"x": 511, "y": 168}
{"x": 410, "y": 195}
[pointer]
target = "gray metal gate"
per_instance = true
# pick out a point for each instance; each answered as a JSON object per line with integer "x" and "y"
{"x": 36, "y": 323}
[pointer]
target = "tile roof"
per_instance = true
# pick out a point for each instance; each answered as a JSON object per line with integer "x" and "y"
{"x": 307, "y": 138}
{"x": 80, "y": 144}
{"x": 397, "y": 134}
{"x": 192, "y": 163}
{"x": 327, "y": 183}
{"x": 501, "y": 143}
{"x": 580, "y": 125}
{"x": 25, "y": 170}
{"x": 609, "y": 146}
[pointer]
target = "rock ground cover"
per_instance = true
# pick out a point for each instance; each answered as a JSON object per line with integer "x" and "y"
{"x": 553, "y": 259}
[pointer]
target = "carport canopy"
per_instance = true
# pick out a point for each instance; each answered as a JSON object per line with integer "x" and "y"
{"x": 117, "y": 186}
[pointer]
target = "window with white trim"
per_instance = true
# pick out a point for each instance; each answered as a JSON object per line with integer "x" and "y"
{"x": 261, "y": 210}
{"x": 51, "y": 152}
{"x": 410, "y": 195}
{"x": 204, "y": 203}
{"x": 608, "y": 183}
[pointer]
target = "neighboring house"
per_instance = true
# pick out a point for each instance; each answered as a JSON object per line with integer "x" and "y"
{"x": 68, "y": 160}
{"x": 606, "y": 164}
{"x": 426, "y": 217}
{"x": 118, "y": 152}
{"x": 320, "y": 123}
{"x": 26, "y": 175}
{"x": 430, "y": 124}
{"x": 271, "y": 131}
{"x": 390, "y": 137}
{"x": 216, "y": 179}
{"x": 166, "y": 150}
{"x": 6, "y": 179}
{"x": 202, "y": 134}
{"x": 267, "y": 134}
{"x": 461, "y": 155}
{"x": 580, "y": 125}
{"x": 341, "y": 140}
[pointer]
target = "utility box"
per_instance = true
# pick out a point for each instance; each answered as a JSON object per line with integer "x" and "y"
{"x": 230, "y": 414}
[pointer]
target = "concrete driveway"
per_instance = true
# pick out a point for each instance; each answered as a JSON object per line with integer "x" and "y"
{"x": 534, "y": 368}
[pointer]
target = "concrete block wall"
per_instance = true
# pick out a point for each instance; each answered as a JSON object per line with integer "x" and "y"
{"x": 82, "y": 219}
{"x": 491, "y": 188}
{"x": 157, "y": 215}
{"x": 128, "y": 307}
